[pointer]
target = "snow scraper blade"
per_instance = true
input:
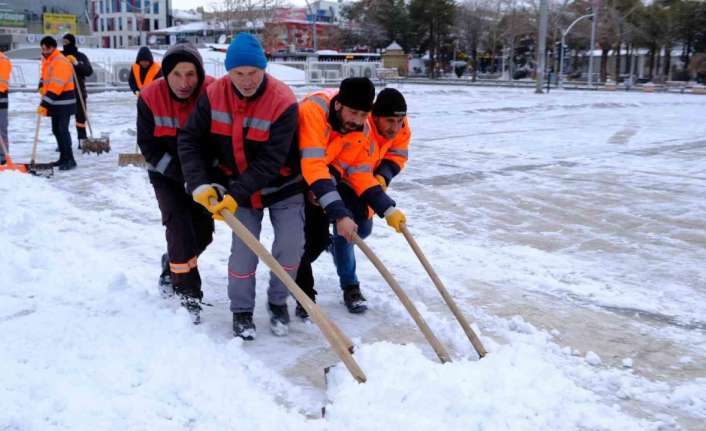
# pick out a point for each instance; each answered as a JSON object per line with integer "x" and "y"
{"x": 135, "y": 159}
{"x": 95, "y": 145}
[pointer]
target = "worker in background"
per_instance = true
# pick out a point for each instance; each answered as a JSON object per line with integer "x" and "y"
{"x": 5, "y": 72}
{"x": 82, "y": 69}
{"x": 58, "y": 92}
{"x": 144, "y": 71}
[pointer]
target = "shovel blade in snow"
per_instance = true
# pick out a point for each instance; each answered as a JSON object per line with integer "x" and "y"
{"x": 95, "y": 145}
{"x": 135, "y": 159}
{"x": 44, "y": 170}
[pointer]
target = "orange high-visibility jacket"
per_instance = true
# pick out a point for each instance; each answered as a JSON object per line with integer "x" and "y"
{"x": 57, "y": 84}
{"x": 355, "y": 166}
{"x": 318, "y": 147}
{"x": 391, "y": 155}
{"x": 5, "y": 71}
{"x": 149, "y": 77}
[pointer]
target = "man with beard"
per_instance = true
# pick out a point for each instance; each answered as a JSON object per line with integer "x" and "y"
{"x": 334, "y": 144}
{"x": 162, "y": 110}
{"x": 58, "y": 92}
{"x": 82, "y": 68}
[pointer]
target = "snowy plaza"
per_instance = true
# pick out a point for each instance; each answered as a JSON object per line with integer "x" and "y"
{"x": 570, "y": 227}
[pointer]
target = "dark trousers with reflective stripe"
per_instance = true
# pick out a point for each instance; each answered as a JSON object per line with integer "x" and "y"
{"x": 81, "y": 119}
{"x": 60, "y": 129}
{"x": 189, "y": 230}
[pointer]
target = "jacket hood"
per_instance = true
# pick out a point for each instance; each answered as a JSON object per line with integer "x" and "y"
{"x": 144, "y": 54}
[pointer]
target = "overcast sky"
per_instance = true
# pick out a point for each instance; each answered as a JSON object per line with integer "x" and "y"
{"x": 191, "y": 4}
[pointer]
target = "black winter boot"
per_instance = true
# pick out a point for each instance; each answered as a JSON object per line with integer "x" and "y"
{"x": 279, "y": 319}
{"x": 193, "y": 306}
{"x": 243, "y": 326}
{"x": 165, "y": 278}
{"x": 354, "y": 300}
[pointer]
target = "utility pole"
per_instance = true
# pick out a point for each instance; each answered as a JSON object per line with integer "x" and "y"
{"x": 594, "y": 25}
{"x": 563, "y": 46}
{"x": 542, "y": 42}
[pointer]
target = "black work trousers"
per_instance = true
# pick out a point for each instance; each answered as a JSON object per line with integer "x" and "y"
{"x": 60, "y": 129}
{"x": 189, "y": 230}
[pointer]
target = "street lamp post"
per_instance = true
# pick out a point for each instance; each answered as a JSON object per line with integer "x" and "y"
{"x": 563, "y": 45}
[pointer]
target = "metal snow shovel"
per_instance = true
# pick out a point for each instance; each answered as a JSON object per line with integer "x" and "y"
{"x": 338, "y": 341}
{"x": 90, "y": 144}
{"x": 472, "y": 337}
{"x": 136, "y": 158}
{"x": 40, "y": 169}
{"x": 411, "y": 309}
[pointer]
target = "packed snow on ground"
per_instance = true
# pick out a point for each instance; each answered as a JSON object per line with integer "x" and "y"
{"x": 569, "y": 228}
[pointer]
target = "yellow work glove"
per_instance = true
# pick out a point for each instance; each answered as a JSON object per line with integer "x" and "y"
{"x": 203, "y": 194}
{"x": 396, "y": 219}
{"x": 382, "y": 182}
{"x": 42, "y": 111}
{"x": 72, "y": 59}
{"x": 42, "y": 91}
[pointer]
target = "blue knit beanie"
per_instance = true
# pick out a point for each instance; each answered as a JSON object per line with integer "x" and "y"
{"x": 245, "y": 50}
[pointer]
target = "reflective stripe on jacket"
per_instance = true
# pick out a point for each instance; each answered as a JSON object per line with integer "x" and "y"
{"x": 159, "y": 118}
{"x": 57, "y": 85}
{"x": 251, "y": 143}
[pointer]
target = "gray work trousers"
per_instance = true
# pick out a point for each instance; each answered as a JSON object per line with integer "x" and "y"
{"x": 3, "y": 132}
{"x": 287, "y": 218}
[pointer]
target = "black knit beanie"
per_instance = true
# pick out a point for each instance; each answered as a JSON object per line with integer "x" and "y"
{"x": 357, "y": 93}
{"x": 390, "y": 103}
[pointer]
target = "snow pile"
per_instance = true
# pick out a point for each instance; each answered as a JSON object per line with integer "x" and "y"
{"x": 513, "y": 389}
{"x": 88, "y": 345}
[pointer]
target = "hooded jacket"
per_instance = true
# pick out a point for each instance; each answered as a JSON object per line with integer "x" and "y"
{"x": 141, "y": 77}
{"x": 82, "y": 67}
{"x": 161, "y": 115}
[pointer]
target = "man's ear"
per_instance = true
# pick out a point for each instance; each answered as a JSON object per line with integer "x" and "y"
{"x": 337, "y": 105}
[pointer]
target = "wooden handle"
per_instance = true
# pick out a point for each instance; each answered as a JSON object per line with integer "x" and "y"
{"x": 83, "y": 104}
{"x": 339, "y": 342}
{"x": 36, "y": 139}
{"x": 472, "y": 337}
{"x": 433, "y": 341}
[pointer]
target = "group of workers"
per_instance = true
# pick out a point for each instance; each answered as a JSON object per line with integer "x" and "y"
{"x": 61, "y": 73}
{"x": 243, "y": 144}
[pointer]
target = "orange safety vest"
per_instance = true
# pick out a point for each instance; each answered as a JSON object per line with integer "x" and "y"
{"x": 169, "y": 114}
{"x": 149, "y": 77}
{"x": 5, "y": 71}
{"x": 396, "y": 149}
{"x": 231, "y": 116}
{"x": 57, "y": 84}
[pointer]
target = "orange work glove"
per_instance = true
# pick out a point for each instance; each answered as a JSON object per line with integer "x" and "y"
{"x": 42, "y": 111}
{"x": 396, "y": 219}
{"x": 382, "y": 182}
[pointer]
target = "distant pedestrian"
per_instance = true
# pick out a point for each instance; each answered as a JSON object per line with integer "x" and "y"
{"x": 83, "y": 69}
{"x": 5, "y": 71}
{"x": 144, "y": 71}
{"x": 58, "y": 92}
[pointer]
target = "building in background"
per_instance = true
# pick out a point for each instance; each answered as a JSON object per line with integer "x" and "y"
{"x": 127, "y": 23}
{"x": 24, "y": 22}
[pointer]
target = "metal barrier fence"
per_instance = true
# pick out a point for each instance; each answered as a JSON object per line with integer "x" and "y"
{"x": 111, "y": 73}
